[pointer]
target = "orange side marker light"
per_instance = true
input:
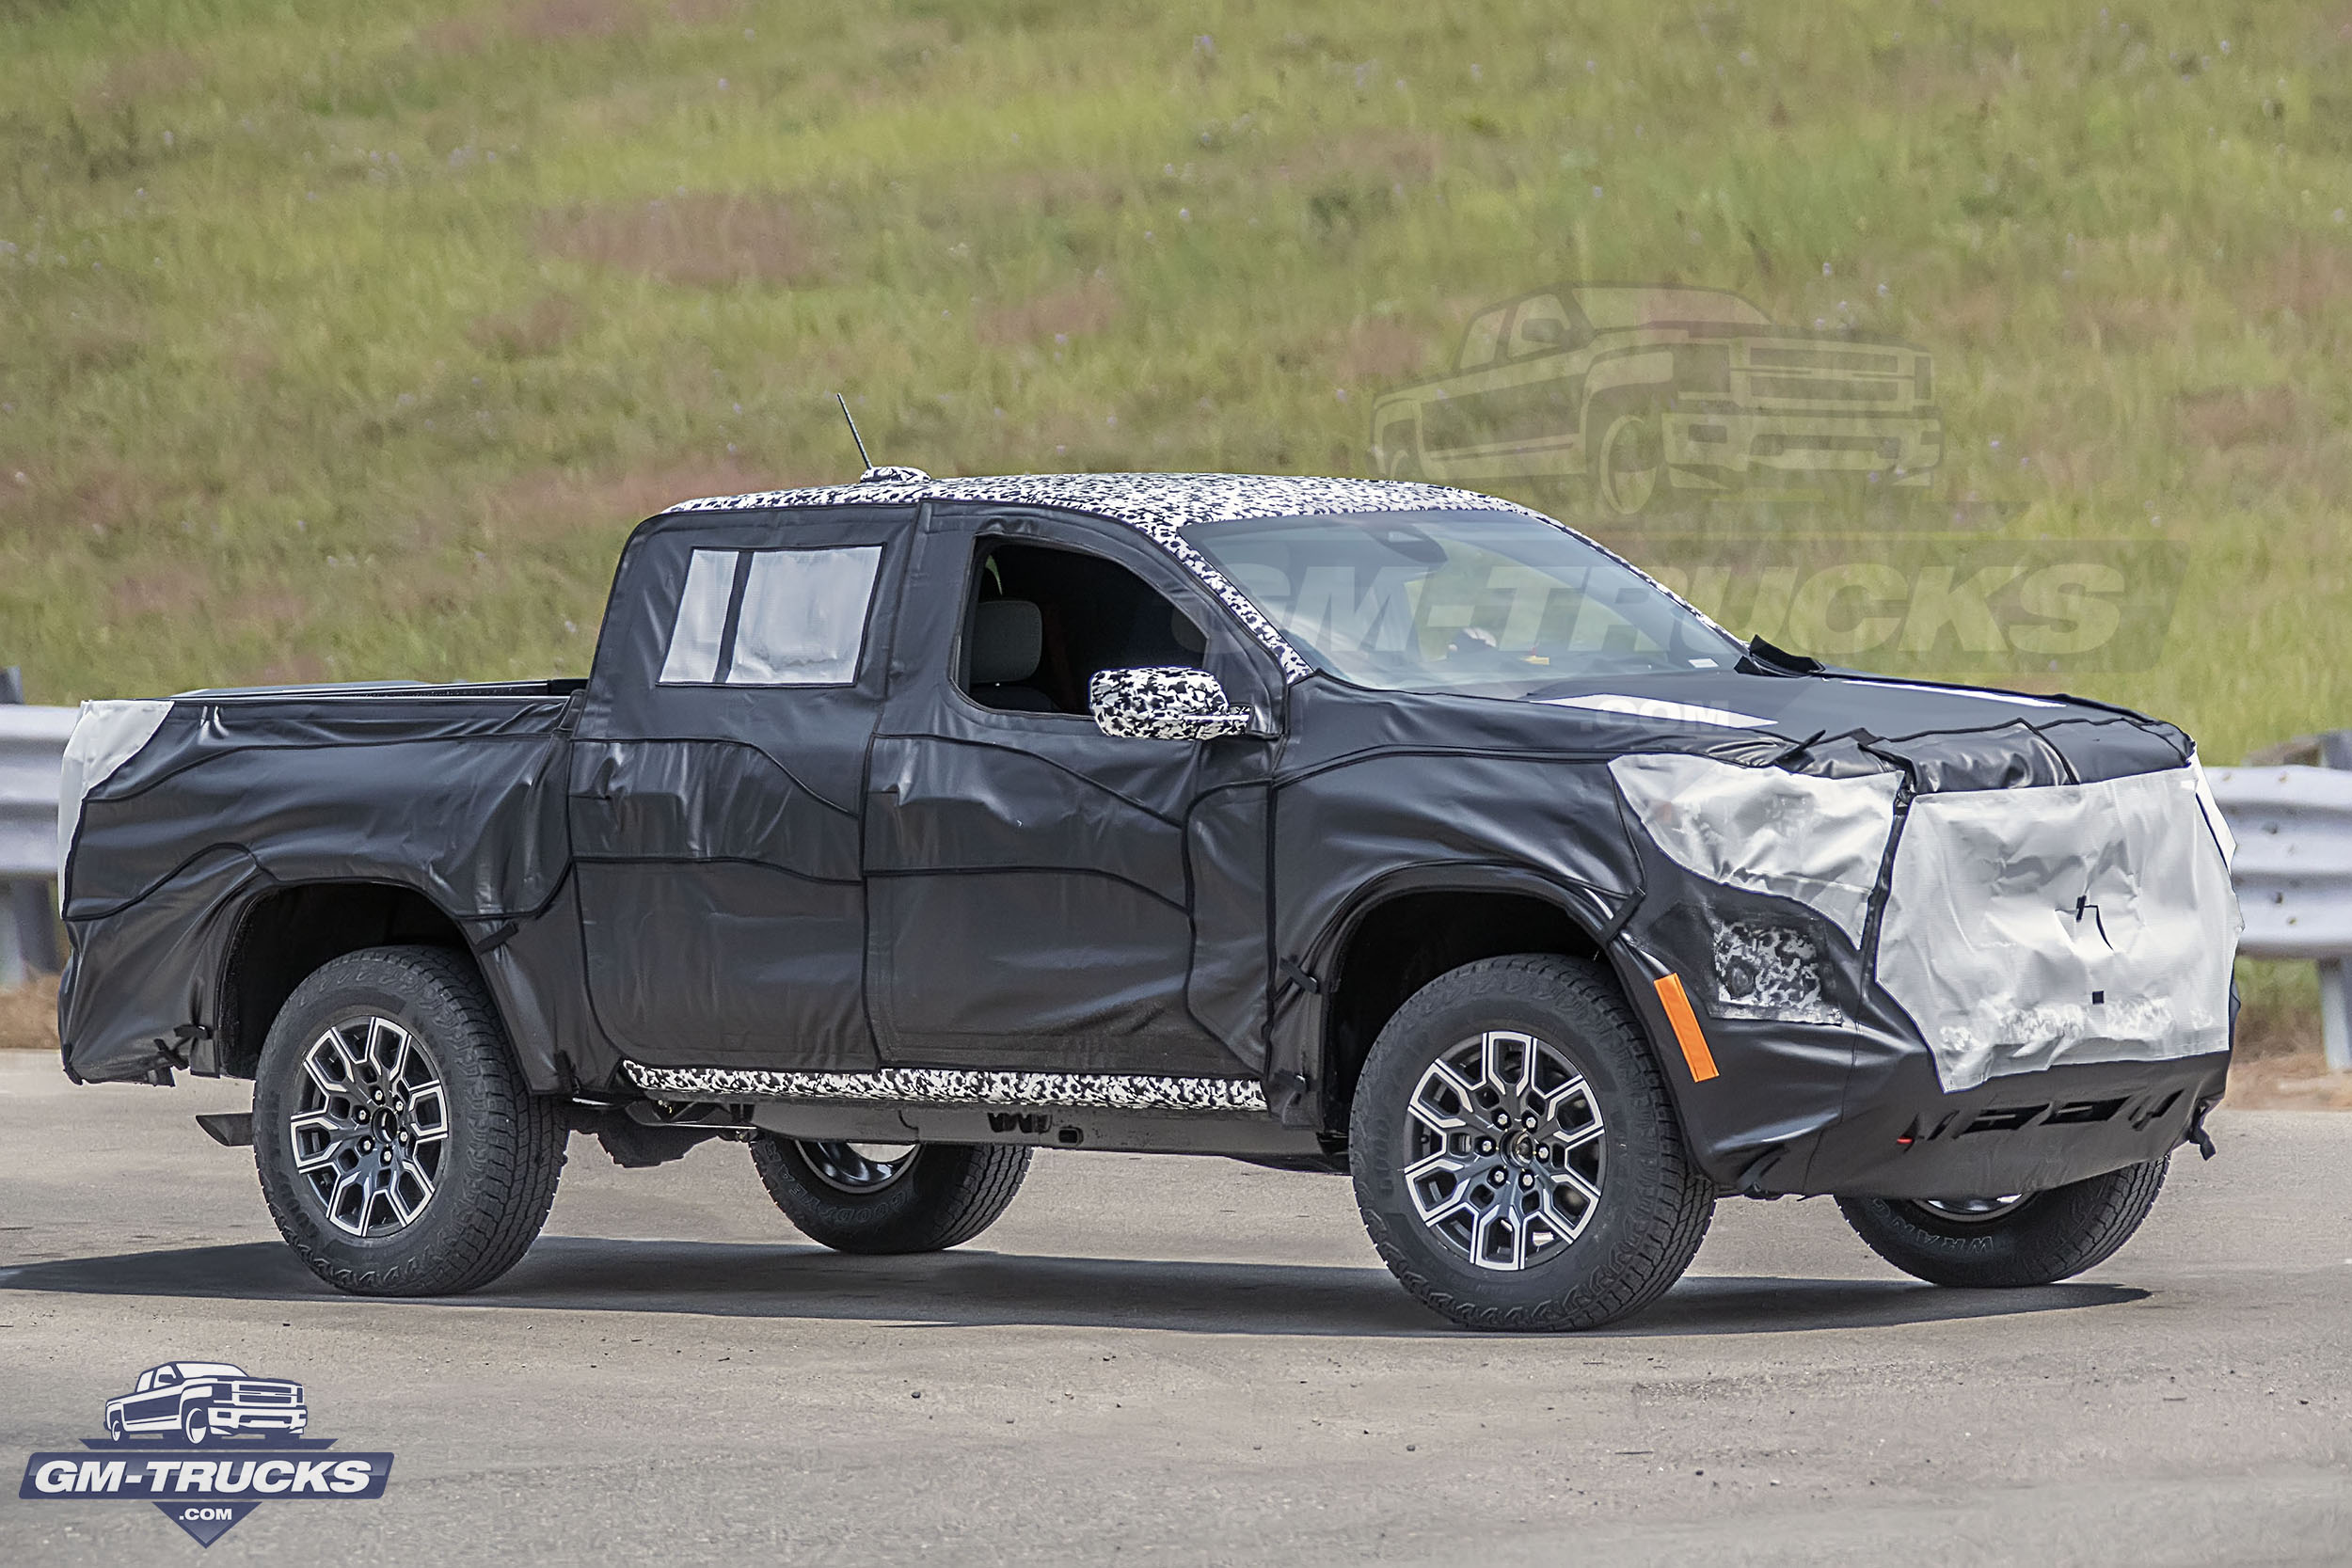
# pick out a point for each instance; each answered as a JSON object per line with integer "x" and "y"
{"x": 1686, "y": 1023}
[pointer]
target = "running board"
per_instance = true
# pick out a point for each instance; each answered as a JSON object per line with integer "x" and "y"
{"x": 1244, "y": 1133}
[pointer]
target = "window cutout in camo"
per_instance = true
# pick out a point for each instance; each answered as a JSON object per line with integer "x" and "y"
{"x": 799, "y": 618}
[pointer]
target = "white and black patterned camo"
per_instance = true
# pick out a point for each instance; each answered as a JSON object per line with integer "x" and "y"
{"x": 1171, "y": 703}
{"x": 900, "y": 1086}
{"x": 1770, "y": 971}
{"x": 1160, "y": 506}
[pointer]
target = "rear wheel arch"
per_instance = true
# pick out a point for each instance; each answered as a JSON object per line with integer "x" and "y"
{"x": 290, "y": 932}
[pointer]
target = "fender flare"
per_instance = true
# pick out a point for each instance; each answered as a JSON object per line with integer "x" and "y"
{"x": 479, "y": 934}
{"x": 1597, "y": 913}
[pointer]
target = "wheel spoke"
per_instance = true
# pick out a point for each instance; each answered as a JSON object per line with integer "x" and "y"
{"x": 1569, "y": 1143}
{"x": 1509, "y": 1087}
{"x": 1443, "y": 1162}
{"x": 1436, "y": 1121}
{"x": 402, "y": 1174}
{"x": 1444, "y": 1074}
{"x": 330, "y": 1088}
{"x": 1570, "y": 1176}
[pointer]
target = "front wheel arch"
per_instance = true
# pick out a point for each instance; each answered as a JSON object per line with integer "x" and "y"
{"x": 1526, "y": 912}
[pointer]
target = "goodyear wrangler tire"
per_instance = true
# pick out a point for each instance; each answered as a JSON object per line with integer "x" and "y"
{"x": 400, "y": 1149}
{"x": 914, "y": 1197}
{"x": 1515, "y": 1153}
{"x": 2027, "y": 1238}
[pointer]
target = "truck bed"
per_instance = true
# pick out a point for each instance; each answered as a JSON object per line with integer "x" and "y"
{"x": 455, "y": 793}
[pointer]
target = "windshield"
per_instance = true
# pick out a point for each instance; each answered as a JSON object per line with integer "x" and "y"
{"x": 1491, "y": 604}
{"x": 1609, "y": 309}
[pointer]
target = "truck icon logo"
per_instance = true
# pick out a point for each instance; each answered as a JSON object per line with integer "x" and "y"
{"x": 200, "y": 1401}
{"x": 1640, "y": 395}
{"x": 206, "y": 1444}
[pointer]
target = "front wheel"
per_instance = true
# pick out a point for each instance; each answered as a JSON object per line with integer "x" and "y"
{"x": 2019, "y": 1238}
{"x": 885, "y": 1198}
{"x": 196, "y": 1424}
{"x": 401, "y": 1151}
{"x": 1515, "y": 1153}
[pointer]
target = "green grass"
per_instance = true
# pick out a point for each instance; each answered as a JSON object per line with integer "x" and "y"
{"x": 349, "y": 340}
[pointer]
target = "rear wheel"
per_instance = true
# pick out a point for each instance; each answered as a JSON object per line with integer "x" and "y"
{"x": 1515, "y": 1157}
{"x": 2017, "y": 1239}
{"x": 400, "y": 1149}
{"x": 888, "y": 1198}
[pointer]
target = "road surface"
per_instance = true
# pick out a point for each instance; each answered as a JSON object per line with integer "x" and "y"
{"x": 1159, "y": 1360}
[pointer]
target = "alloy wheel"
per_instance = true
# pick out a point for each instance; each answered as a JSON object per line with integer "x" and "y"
{"x": 370, "y": 1128}
{"x": 1503, "y": 1150}
{"x": 1973, "y": 1211}
{"x": 858, "y": 1167}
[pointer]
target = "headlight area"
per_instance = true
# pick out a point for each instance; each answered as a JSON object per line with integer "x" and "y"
{"x": 1767, "y": 970}
{"x": 1745, "y": 958}
{"x": 1780, "y": 868}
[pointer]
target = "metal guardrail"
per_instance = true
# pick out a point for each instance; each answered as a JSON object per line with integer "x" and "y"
{"x": 32, "y": 750}
{"x": 2293, "y": 879}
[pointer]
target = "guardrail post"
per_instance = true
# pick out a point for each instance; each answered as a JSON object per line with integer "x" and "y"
{"x": 2335, "y": 1012}
{"x": 12, "y": 965}
{"x": 16, "y": 961}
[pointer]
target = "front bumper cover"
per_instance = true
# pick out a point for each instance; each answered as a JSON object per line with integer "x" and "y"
{"x": 1966, "y": 1028}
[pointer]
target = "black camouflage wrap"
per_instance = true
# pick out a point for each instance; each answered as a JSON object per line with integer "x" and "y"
{"x": 875, "y": 891}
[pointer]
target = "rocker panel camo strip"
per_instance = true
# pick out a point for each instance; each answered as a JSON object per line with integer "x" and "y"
{"x": 951, "y": 1087}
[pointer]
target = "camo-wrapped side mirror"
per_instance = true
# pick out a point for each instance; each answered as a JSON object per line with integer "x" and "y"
{"x": 1167, "y": 704}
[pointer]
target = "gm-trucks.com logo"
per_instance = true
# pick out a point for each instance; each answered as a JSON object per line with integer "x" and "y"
{"x": 207, "y": 1444}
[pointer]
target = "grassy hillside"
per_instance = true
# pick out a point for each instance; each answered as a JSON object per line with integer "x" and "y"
{"x": 348, "y": 340}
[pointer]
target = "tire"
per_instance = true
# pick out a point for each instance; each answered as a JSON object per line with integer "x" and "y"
{"x": 456, "y": 1201}
{"x": 2038, "y": 1240}
{"x": 194, "y": 1425}
{"x": 935, "y": 1195}
{"x": 1602, "y": 1249}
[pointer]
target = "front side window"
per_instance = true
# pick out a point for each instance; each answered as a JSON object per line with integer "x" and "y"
{"x": 771, "y": 617}
{"x": 1481, "y": 603}
{"x": 1041, "y": 622}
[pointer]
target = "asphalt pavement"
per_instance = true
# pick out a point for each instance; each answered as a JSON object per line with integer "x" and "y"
{"x": 1162, "y": 1361}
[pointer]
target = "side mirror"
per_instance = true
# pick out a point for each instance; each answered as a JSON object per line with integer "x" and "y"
{"x": 1171, "y": 704}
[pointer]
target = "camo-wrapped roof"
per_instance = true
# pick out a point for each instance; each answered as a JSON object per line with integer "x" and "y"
{"x": 1160, "y": 506}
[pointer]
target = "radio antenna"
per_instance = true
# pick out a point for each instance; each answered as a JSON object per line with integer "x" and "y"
{"x": 864, "y": 461}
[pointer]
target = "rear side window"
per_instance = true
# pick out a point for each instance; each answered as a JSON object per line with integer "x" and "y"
{"x": 771, "y": 617}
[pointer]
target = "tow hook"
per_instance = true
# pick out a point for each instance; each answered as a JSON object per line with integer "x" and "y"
{"x": 2196, "y": 1134}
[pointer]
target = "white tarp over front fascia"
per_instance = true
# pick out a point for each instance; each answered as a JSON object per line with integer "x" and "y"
{"x": 2028, "y": 929}
{"x": 1817, "y": 841}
